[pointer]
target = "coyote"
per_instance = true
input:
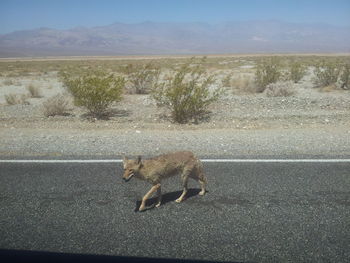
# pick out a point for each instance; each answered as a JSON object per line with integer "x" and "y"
{"x": 164, "y": 166}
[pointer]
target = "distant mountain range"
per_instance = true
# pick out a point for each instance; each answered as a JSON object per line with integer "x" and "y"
{"x": 150, "y": 38}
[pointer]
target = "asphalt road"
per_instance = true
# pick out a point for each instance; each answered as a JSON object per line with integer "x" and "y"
{"x": 257, "y": 212}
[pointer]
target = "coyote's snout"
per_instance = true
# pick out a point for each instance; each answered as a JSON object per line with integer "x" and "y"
{"x": 164, "y": 166}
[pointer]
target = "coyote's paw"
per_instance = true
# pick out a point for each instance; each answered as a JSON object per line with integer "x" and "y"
{"x": 158, "y": 205}
{"x": 179, "y": 200}
{"x": 142, "y": 208}
{"x": 202, "y": 192}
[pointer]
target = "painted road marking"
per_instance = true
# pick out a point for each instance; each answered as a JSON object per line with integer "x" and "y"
{"x": 203, "y": 160}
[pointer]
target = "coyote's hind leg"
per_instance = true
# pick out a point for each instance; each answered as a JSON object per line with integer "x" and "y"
{"x": 159, "y": 194}
{"x": 198, "y": 175}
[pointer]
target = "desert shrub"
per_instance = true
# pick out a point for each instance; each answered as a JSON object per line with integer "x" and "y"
{"x": 280, "y": 89}
{"x": 34, "y": 91}
{"x": 143, "y": 78}
{"x": 326, "y": 73}
{"x": 95, "y": 90}
{"x": 296, "y": 71}
{"x": 345, "y": 77}
{"x": 56, "y": 105}
{"x": 127, "y": 69}
{"x": 267, "y": 72}
{"x": 13, "y": 99}
{"x": 187, "y": 93}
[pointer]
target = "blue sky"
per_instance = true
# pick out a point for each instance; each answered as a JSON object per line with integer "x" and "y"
{"x": 63, "y": 14}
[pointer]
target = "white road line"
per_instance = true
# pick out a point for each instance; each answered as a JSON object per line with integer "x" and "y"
{"x": 276, "y": 160}
{"x": 203, "y": 160}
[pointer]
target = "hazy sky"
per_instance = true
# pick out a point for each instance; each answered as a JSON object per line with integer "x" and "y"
{"x": 63, "y": 14}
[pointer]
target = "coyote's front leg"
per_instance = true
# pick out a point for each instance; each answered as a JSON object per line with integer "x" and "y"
{"x": 148, "y": 195}
{"x": 184, "y": 179}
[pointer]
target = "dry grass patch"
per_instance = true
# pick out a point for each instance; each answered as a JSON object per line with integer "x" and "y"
{"x": 243, "y": 84}
{"x": 226, "y": 81}
{"x": 13, "y": 99}
{"x": 56, "y": 105}
{"x": 34, "y": 91}
{"x": 280, "y": 89}
{"x": 328, "y": 88}
{"x": 8, "y": 82}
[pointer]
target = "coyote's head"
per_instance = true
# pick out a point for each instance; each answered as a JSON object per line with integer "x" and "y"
{"x": 131, "y": 168}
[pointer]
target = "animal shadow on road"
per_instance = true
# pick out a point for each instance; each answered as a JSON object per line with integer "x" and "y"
{"x": 166, "y": 198}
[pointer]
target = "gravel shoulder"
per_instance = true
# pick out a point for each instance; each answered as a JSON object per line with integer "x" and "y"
{"x": 212, "y": 142}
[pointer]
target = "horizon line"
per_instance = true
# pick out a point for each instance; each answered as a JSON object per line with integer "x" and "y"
{"x": 179, "y": 22}
{"x": 165, "y": 56}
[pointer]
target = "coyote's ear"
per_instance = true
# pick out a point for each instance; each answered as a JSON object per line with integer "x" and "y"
{"x": 139, "y": 162}
{"x": 125, "y": 159}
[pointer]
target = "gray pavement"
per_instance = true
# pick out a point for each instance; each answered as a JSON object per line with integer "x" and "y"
{"x": 256, "y": 212}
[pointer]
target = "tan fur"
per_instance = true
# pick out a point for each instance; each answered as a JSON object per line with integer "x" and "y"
{"x": 164, "y": 166}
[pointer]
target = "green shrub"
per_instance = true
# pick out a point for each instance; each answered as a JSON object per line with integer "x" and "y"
{"x": 127, "y": 69}
{"x": 345, "y": 77}
{"x": 296, "y": 71}
{"x": 187, "y": 93}
{"x": 267, "y": 72}
{"x": 95, "y": 90}
{"x": 143, "y": 78}
{"x": 326, "y": 73}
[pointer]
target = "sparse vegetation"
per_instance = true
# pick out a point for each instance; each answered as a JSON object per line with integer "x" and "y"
{"x": 187, "y": 94}
{"x": 95, "y": 90}
{"x": 280, "y": 89}
{"x": 34, "y": 91}
{"x": 226, "y": 82}
{"x": 296, "y": 71}
{"x": 326, "y": 73}
{"x": 267, "y": 71}
{"x": 56, "y": 105}
{"x": 127, "y": 69}
{"x": 143, "y": 78}
{"x": 345, "y": 77}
